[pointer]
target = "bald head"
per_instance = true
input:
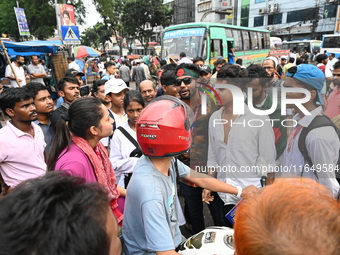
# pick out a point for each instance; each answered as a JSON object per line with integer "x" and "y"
{"x": 148, "y": 90}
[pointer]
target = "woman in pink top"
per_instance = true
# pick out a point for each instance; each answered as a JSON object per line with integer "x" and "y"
{"x": 76, "y": 147}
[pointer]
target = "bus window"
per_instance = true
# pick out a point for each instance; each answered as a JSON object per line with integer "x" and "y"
{"x": 238, "y": 45}
{"x": 254, "y": 41}
{"x": 204, "y": 48}
{"x": 229, "y": 33}
{"x": 266, "y": 41}
{"x": 216, "y": 48}
{"x": 246, "y": 42}
{"x": 260, "y": 40}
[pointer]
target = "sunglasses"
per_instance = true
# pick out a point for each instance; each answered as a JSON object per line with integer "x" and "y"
{"x": 186, "y": 81}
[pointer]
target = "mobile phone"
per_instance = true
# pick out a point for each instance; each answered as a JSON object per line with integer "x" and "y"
{"x": 84, "y": 90}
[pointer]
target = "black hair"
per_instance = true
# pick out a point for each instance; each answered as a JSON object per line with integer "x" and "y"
{"x": 35, "y": 87}
{"x": 83, "y": 113}
{"x": 108, "y": 64}
{"x": 182, "y": 54}
{"x": 332, "y": 54}
{"x": 67, "y": 13}
{"x": 192, "y": 67}
{"x": 96, "y": 85}
{"x": 124, "y": 62}
{"x": 234, "y": 74}
{"x": 336, "y": 65}
{"x": 62, "y": 82}
{"x": 54, "y": 214}
{"x": 17, "y": 57}
{"x": 220, "y": 61}
{"x": 167, "y": 75}
{"x": 321, "y": 57}
{"x": 257, "y": 71}
{"x": 171, "y": 66}
{"x": 70, "y": 58}
{"x": 291, "y": 60}
{"x": 133, "y": 96}
{"x": 197, "y": 59}
{"x": 10, "y": 96}
{"x": 162, "y": 63}
{"x": 34, "y": 56}
{"x": 239, "y": 61}
{"x": 299, "y": 61}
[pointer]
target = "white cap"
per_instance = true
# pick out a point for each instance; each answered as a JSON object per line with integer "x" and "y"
{"x": 276, "y": 62}
{"x": 114, "y": 86}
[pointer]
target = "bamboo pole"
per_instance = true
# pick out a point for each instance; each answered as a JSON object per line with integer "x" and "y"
{"x": 9, "y": 62}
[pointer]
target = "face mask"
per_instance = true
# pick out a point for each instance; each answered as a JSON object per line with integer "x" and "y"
{"x": 20, "y": 63}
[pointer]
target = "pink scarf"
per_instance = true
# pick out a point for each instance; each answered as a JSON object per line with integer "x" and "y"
{"x": 103, "y": 170}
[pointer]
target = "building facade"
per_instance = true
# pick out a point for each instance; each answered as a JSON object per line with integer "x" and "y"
{"x": 296, "y": 19}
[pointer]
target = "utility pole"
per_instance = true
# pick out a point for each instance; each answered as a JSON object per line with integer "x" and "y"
{"x": 315, "y": 21}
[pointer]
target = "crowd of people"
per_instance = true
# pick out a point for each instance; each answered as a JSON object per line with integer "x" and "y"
{"x": 76, "y": 171}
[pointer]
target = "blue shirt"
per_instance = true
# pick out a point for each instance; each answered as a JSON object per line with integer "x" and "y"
{"x": 231, "y": 58}
{"x": 150, "y": 216}
{"x": 60, "y": 101}
{"x": 105, "y": 77}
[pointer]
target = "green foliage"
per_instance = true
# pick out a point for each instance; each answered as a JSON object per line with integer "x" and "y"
{"x": 40, "y": 16}
{"x": 145, "y": 16}
{"x": 96, "y": 36}
{"x": 111, "y": 12}
{"x": 89, "y": 37}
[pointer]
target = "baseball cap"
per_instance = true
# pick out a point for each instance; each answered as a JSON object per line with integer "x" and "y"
{"x": 310, "y": 75}
{"x": 114, "y": 86}
{"x": 73, "y": 72}
{"x": 205, "y": 69}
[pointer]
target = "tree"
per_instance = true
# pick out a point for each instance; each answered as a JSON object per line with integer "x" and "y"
{"x": 104, "y": 33}
{"x": 40, "y": 16}
{"x": 90, "y": 37}
{"x": 145, "y": 15}
{"x": 111, "y": 12}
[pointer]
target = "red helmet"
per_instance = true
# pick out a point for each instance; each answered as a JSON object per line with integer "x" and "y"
{"x": 163, "y": 128}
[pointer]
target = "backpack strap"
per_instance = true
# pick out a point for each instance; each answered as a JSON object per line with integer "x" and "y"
{"x": 114, "y": 124}
{"x": 317, "y": 122}
{"x": 129, "y": 137}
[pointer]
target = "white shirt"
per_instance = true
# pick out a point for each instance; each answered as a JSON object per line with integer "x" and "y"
{"x": 74, "y": 65}
{"x": 120, "y": 149}
{"x": 184, "y": 60}
{"x": 146, "y": 70}
{"x": 101, "y": 66}
{"x": 323, "y": 148}
{"x": 119, "y": 120}
{"x": 19, "y": 71}
{"x": 245, "y": 146}
{"x": 329, "y": 67}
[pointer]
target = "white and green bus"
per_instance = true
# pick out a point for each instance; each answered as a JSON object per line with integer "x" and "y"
{"x": 211, "y": 40}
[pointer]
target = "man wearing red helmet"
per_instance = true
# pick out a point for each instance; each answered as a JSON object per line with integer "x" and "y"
{"x": 150, "y": 222}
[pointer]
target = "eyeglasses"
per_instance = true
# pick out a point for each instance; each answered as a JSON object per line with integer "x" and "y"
{"x": 186, "y": 81}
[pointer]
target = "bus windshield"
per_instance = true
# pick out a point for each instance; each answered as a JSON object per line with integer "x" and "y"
{"x": 188, "y": 40}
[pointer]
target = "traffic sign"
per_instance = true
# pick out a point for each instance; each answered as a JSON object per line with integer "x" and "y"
{"x": 70, "y": 34}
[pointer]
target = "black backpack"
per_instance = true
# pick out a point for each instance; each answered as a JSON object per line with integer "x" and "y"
{"x": 135, "y": 153}
{"x": 318, "y": 121}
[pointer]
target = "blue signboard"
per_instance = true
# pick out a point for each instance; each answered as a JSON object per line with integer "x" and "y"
{"x": 70, "y": 34}
{"x": 190, "y": 32}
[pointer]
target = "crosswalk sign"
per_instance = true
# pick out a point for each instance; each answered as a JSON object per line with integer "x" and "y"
{"x": 70, "y": 34}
